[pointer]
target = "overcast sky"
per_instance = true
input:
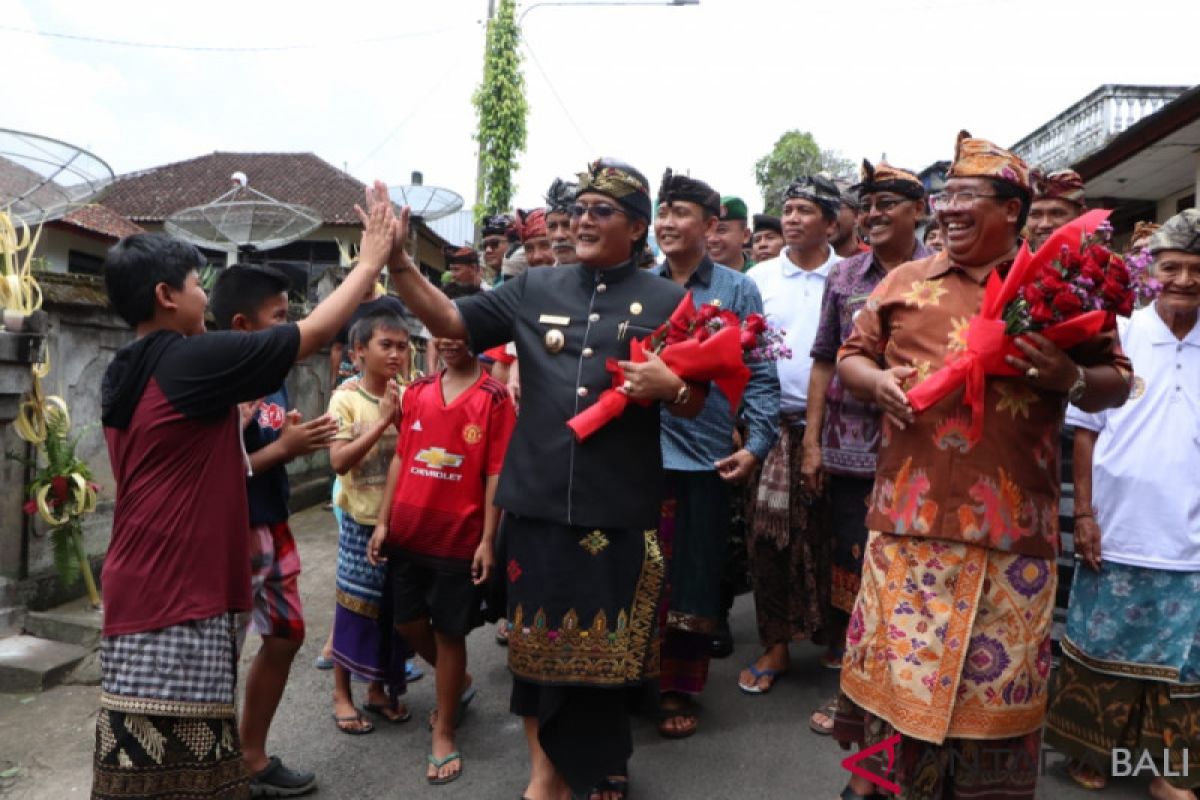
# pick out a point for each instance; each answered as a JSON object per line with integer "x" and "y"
{"x": 704, "y": 89}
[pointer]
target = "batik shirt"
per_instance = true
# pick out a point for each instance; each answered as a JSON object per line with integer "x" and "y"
{"x": 1000, "y": 492}
{"x": 850, "y": 435}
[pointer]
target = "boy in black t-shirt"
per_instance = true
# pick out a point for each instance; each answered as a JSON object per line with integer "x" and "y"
{"x": 177, "y": 567}
{"x": 249, "y": 298}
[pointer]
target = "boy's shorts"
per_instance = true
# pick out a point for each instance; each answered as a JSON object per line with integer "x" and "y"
{"x": 275, "y": 582}
{"x": 446, "y": 597}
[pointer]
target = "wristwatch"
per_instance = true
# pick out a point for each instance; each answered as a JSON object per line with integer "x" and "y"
{"x": 1075, "y": 394}
{"x": 685, "y": 394}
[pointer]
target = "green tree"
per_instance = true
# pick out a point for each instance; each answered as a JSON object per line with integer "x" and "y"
{"x": 501, "y": 108}
{"x": 795, "y": 153}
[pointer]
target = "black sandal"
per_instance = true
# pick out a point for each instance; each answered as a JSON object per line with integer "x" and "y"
{"x": 613, "y": 784}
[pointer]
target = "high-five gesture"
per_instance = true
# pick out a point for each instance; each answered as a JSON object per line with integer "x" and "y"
{"x": 377, "y": 195}
{"x": 380, "y": 227}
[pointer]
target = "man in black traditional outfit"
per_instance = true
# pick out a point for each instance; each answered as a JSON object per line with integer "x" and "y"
{"x": 582, "y": 557}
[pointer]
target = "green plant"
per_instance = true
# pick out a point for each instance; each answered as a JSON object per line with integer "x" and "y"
{"x": 795, "y": 153}
{"x": 61, "y": 492}
{"x": 501, "y": 108}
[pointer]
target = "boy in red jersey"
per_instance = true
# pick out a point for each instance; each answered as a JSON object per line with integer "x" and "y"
{"x": 440, "y": 536}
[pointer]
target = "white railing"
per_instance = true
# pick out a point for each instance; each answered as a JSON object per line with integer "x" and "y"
{"x": 1093, "y": 122}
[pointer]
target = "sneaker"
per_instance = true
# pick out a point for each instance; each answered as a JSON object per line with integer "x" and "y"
{"x": 278, "y": 780}
{"x": 412, "y": 673}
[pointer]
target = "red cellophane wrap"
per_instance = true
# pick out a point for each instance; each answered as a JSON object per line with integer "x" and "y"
{"x": 717, "y": 359}
{"x": 988, "y": 344}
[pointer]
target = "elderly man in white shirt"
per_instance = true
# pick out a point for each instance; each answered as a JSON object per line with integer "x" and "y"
{"x": 1131, "y": 678}
{"x": 789, "y": 569}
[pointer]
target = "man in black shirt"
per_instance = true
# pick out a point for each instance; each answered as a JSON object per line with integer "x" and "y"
{"x": 582, "y": 559}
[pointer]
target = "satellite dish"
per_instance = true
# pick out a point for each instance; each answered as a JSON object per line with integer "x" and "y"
{"x": 41, "y": 179}
{"x": 243, "y": 219}
{"x": 427, "y": 202}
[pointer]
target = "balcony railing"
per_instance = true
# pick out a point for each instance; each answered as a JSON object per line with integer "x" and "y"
{"x": 1093, "y": 122}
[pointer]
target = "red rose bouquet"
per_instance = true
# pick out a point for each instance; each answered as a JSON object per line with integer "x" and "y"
{"x": 1069, "y": 291}
{"x": 709, "y": 344}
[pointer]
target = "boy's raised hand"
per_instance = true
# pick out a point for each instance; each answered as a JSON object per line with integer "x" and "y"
{"x": 299, "y": 438}
{"x": 389, "y": 406}
{"x": 380, "y": 228}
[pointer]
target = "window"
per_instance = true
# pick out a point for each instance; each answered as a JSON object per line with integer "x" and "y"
{"x": 84, "y": 263}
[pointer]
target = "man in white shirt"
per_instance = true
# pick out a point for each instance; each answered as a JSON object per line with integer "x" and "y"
{"x": 789, "y": 568}
{"x": 1131, "y": 677}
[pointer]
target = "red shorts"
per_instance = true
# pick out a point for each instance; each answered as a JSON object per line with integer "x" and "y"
{"x": 275, "y": 582}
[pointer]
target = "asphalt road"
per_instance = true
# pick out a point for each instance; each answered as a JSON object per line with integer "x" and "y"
{"x": 747, "y": 747}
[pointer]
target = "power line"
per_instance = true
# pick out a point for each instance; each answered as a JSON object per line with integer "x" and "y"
{"x": 213, "y": 49}
{"x": 415, "y": 109}
{"x": 533, "y": 56}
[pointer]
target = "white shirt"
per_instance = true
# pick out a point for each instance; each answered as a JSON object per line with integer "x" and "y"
{"x": 792, "y": 301}
{"x": 1145, "y": 490}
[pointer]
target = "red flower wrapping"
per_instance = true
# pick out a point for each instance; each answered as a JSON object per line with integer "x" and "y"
{"x": 1049, "y": 298}
{"x": 699, "y": 356}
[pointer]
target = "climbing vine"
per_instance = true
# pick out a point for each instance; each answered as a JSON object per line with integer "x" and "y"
{"x": 501, "y": 108}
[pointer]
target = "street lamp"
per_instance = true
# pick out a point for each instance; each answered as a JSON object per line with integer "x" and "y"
{"x": 607, "y": 3}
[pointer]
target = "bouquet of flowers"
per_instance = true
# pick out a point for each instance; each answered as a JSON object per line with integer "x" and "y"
{"x": 708, "y": 344}
{"x": 1069, "y": 291}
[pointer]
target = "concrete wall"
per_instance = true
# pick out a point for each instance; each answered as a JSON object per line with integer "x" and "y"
{"x": 82, "y": 338}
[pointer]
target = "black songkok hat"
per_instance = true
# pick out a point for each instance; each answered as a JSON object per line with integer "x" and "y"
{"x": 765, "y": 222}
{"x": 817, "y": 189}
{"x": 497, "y": 225}
{"x": 676, "y": 188}
{"x": 561, "y": 196}
{"x": 621, "y": 182}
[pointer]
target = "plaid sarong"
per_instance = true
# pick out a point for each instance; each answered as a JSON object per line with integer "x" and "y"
{"x": 185, "y": 670}
{"x": 776, "y": 511}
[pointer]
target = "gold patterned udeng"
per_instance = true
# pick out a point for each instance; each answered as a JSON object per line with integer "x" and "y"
{"x": 610, "y": 180}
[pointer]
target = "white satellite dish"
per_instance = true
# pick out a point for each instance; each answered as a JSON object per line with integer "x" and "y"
{"x": 426, "y": 202}
{"x": 41, "y": 179}
{"x": 243, "y": 219}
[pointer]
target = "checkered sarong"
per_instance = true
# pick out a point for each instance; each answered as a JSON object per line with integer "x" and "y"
{"x": 185, "y": 670}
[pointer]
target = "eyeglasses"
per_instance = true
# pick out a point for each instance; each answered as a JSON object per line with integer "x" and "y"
{"x": 599, "y": 211}
{"x": 881, "y": 204}
{"x": 944, "y": 200}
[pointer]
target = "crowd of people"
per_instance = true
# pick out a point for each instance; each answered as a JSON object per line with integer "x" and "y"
{"x": 919, "y": 556}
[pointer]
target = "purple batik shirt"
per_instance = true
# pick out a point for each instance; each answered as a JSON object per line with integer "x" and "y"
{"x": 850, "y": 435}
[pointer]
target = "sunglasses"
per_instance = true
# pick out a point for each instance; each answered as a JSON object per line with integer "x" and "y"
{"x": 599, "y": 211}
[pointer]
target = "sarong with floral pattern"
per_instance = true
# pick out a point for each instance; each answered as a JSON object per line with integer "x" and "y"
{"x": 950, "y": 639}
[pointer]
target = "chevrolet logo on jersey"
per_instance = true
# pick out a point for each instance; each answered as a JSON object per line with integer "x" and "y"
{"x": 438, "y": 458}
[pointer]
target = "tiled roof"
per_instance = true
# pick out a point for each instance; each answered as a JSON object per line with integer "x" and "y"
{"x": 103, "y": 220}
{"x": 302, "y": 178}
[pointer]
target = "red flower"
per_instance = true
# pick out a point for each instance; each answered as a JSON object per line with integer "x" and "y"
{"x": 1041, "y": 312}
{"x": 1068, "y": 303}
{"x": 756, "y": 323}
{"x": 708, "y": 313}
{"x": 30, "y": 507}
{"x": 749, "y": 339}
{"x": 729, "y": 319}
{"x": 1099, "y": 255}
{"x": 59, "y": 488}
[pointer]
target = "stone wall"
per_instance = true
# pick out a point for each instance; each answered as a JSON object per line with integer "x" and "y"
{"x": 83, "y": 335}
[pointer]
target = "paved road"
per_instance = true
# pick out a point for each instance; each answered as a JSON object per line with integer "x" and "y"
{"x": 747, "y": 747}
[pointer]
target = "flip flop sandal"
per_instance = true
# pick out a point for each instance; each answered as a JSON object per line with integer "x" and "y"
{"x": 753, "y": 688}
{"x": 1085, "y": 777}
{"x": 832, "y": 660}
{"x": 364, "y": 725}
{"x": 464, "y": 702}
{"x": 618, "y": 786}
{"x": 829, "y": 710}
{"x": 678, "y": 732}
{"x": 381, "y": 712}
{"x": 323, "y": 662}
{"x": 438, "y": 764}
